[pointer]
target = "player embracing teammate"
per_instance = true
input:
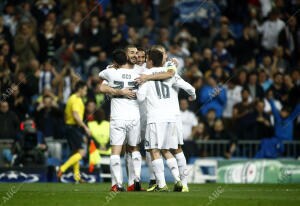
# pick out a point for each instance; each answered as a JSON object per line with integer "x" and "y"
{"x": 155, "y": 107}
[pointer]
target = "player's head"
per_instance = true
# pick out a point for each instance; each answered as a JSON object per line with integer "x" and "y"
{"x": 81, "y": 88}
{"x": 131, "y": 52}
{"x": 162, "y": 50}
{"x": 154, "y": 58}
{"x": 119, "y": 57}
{"x": 141, "y": 56}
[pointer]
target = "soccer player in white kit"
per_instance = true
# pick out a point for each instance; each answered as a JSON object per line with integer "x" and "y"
{"x": 124, "y": 114}
{"x": 178, "y": 153}
{"x": 161, "y": 130}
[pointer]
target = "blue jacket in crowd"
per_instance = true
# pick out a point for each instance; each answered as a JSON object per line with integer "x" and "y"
{"x": 209, "y": 99}
{"x": 284, "y": 127}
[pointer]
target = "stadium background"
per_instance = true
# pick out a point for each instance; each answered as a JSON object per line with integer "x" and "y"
{"x": 250, "y": 46}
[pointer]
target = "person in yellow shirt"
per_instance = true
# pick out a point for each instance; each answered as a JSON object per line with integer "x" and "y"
{"x": 100, "y": 132}
{"x": 75, "y": 125}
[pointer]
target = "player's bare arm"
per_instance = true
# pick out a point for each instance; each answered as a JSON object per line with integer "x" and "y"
{"x": 159, "y": 76}
{"x": 81, "y": 123}
{"x": 126, "y": 92}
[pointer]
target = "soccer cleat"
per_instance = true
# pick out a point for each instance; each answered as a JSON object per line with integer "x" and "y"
{"x": 163, "y": 189}
{"x": 59, "y": 174}
{"x": 117, "y": 188}
{"x": 151, "y": 183}
{"x": 138, "y": 186}
{"x": 178, "y": 186}
{"x": 81, "y": 181}
{"x": 135, "y": 187}
{"x": 130, "y": 188}
{"x": 185, "y": 189}
{"x": 152, "y": 188}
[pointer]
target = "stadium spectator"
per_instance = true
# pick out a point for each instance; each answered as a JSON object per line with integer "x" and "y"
{"x": 240, "y": 114}
{"x": 284, "y": 125}
{"x": 189, "y": 119}
{"x": 50, "y": 41}
{"x": 26, "y": 45}
{"x": 47, "y": 75}
{"x": 278, "y": 88}
{"x": 19, "y": 102}
{"x": 233, "y": 97}
{"x": 48, "y": 117}
{"x": 256, "y": 91}
{"x": 10, "y": 122}
{"x": 270, "y": 31}
{"x": 100, "y": 132}
{"x": 90, "y": 110}
{"x": 96, "y": 39}
{"x": 212, "y": 97}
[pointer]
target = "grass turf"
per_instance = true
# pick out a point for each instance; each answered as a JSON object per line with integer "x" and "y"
{"x": 55, "y": 194}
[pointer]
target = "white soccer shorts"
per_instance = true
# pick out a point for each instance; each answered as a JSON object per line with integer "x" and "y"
{"x": 125, "y": 132}
{"x": 179, "y": 130}
{"x": 162, "y": 135}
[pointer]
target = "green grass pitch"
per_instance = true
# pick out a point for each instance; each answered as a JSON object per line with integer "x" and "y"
{"x": 55, "y": 194}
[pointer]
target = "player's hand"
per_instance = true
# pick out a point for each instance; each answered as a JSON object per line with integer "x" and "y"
{"x": 87, "y": 131}
{"x": 141, "y": 79}
{"x": 128, "y": 93}
{"x": 175, "y": 62}
{"x": 192, "y": 98}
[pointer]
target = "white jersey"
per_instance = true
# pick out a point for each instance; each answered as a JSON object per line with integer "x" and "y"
{"x": 161, "y": 97}
{"x": 121, "y": 107}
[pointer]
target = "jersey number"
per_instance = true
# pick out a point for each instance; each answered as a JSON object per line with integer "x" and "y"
{"x": 162, "y": 90}
{"x": 120, "y": 85}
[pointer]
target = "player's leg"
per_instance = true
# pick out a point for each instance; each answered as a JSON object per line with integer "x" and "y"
{"x": 179, "y": 155}
{"x": 182, "y": 166}
{"x": 171, "y": 142}
{"x": 76, "y": 143}
{"x": 153, "y": 142}
{"x": 129, "y": 167}
{"x": 152, "y": 181}
{"x": 116, "y": 168}
{"x": 158, "y": 168}
{"x": 172, "y": 164}
{"x": 134, "y": 139}
{"x": 117, "y": 139}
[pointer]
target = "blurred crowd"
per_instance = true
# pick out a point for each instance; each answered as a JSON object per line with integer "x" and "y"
{"x": 244, "y": 62}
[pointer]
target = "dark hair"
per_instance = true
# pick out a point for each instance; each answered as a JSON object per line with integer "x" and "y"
{"x": 129, "y": 46}
{"x": 99, "y": 115}
{"x": 286, "y": 108}
{"x": 119, "y": 56}
{"x": 141, "y": 49}
{"x": 79, "y": 85}
{"x": 156, "y": 57}
{"x": 277, "y": 73}
{"x": 245, "y": 89}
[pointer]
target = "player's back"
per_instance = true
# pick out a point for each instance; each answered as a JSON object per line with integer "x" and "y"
{"x": 121, "y": 107}
{"x": 159, "y": 99}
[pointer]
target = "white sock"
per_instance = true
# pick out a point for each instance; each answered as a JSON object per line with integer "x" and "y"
{"x": 129, "y": 167}
{"x": 137, "y": 164}
{"x": 149, "y": 163}
{"x": 172, "y": 164}
{"x": 115, "y": 168}
{"x": 181, "y": 161}
{"x": 158, "y": 168}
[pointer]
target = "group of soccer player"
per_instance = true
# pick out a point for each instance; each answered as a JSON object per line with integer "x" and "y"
{"x": 144, "y": 108}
